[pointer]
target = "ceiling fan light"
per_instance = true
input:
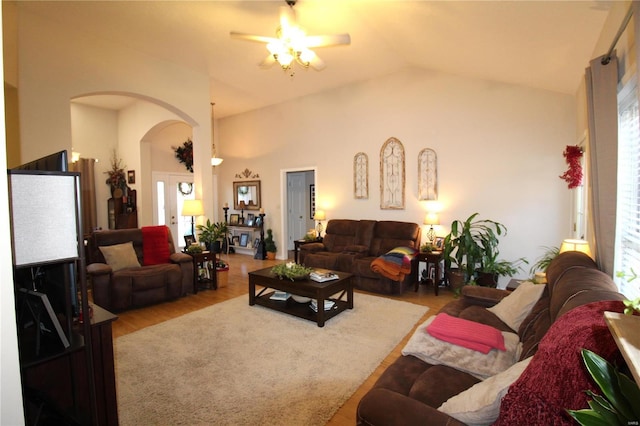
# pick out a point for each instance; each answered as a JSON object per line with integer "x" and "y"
{"x": 284, "y": 59}
{"x": 306, "y": 56}
{"x": 215, "y": 161}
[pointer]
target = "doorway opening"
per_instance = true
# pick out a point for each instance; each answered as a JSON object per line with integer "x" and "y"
{"x": 299, "y": 201}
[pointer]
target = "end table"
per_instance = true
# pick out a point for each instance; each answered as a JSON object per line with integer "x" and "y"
{"x": 298, "y": 243}
{"x": 201, "y": 259}
{"x": 431, "y": 258}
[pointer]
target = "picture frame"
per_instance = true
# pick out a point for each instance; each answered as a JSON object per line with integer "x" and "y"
{"x": 188, "y": 240}
{"x": 438, "y": 243}
{"x": 244, "y": 239}
{"x": 234, "y": 219}
{"x": 256, "y": 242}
{"x": 42, "y": 317}
{"x": 235, "y": 240}
{"x": 131, "y": 176}
{"x": 250, "y": 219}
{"x": 312, "y": 200}
{"x": 257, "y": 223}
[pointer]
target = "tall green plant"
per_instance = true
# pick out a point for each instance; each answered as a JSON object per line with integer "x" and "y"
{"x": 472, "y": 242}
{"x": 620, "y": 402}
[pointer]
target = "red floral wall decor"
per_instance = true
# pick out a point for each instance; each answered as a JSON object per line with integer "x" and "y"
{"x": 573, "y": 176}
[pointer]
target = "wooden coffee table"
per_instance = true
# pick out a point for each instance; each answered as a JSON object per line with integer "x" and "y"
{"x": 334, "y": 290}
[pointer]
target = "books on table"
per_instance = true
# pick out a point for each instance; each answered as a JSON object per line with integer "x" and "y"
{"x": 320, "y": 276}
{"x": 279, "y": 295}
{"x": 328, "y": 304}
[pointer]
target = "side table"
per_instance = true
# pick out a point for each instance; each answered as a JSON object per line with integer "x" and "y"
{"x": 431, "y": 258}
{"x": 201, "y": 259}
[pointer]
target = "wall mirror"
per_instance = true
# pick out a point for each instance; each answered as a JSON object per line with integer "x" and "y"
{"x": 249, "y": 192}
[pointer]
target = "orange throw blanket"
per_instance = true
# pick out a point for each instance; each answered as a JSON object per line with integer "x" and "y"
{"x": 395, "y": 264}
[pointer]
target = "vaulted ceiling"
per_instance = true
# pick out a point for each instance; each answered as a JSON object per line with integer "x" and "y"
{"x": 541, "y": 44}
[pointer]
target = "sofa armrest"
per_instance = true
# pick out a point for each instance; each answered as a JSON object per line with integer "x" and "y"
{"x": 180, "y": 258}
{"x": 95, "y": 269}
{"x": 384, "y": 407}
{"x": 483, "y": 296}
{"x": 313, "y": 247}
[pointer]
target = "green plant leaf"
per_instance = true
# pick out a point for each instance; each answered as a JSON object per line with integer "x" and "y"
{"x": 631, "y": 392}
{"x": 601, "y": 406}
{"x": 588, "y": 418}
{"x": 606, "y": 377}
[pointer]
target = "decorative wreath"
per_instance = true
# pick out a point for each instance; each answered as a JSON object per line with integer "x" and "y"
{"x": 185, "y": 188}
{"x": 573, "y": 176}
{"x": 184, "y": 154}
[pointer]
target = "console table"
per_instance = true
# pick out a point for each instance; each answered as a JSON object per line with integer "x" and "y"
{"x": 238, "y": 230}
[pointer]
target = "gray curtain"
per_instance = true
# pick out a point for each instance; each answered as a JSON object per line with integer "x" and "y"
{"x": 88, "y": 188}
{"x": 602, "y": 109}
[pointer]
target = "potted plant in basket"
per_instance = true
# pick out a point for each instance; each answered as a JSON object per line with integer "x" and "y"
{"x": 270, "y": 245}
{"x": 212, "y": 234}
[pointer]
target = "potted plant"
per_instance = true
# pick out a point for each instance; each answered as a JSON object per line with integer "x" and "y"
{"x": 212, "y": 234}
{"x": 270, "y": 245}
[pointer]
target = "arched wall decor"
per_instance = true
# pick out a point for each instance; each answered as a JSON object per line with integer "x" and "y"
{"x": 427, "y": 175}
{"x": 361, "y": 176}
{"x": 392, "y": 175}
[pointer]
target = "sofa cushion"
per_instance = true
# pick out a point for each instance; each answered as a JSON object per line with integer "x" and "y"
{"x": 435, "y": 352}
{"x": 391, "y": 234}
{"x": 480, "y": 404}
{"x": 449, "y": 381}
{"x": 155, "y": 248}
{"x": 120, "y": 256}
{"x": 514, "y": 308}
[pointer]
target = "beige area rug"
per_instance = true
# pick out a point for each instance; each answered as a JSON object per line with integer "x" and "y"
{"x": 235, "y": 364}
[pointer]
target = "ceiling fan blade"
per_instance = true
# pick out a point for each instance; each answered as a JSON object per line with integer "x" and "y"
{"x": 317, "y": 64}
{"x": 267, "y": 62}
{"x": 252, "y": 37}
{"x": 328, "y": 40}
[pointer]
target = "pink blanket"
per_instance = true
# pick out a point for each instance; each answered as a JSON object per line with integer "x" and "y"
{"x": 466, "y": 333}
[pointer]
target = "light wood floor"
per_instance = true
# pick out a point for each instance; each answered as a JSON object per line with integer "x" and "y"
{"x": 234, "y": 283}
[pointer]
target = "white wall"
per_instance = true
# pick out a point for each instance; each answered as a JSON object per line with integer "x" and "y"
{"x": 499, "y": 151}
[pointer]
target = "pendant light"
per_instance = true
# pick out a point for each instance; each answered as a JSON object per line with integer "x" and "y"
{"x": 215, "y": 161}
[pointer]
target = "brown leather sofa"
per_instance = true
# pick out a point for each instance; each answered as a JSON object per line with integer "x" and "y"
{"x": 410, "y": 390}
{"x": 351, "y": 245}
{"x": 138, "y": 286}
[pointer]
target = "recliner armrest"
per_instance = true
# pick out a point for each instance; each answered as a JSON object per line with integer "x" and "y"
{"x": 99, "y": 269}
{"x": 180, "y": 258}
{"x": 313, "y": 247}
{"x": 483, "y": 296}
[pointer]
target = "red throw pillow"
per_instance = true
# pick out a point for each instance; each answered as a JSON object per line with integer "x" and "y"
{"x": 155, "y": 245}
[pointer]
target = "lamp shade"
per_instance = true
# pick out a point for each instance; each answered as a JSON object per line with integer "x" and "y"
{"x": 575, "y": 245}
{"x": 319, "y": 215}
{"x": 192, "y": 208}
{"x": 242, "y": 205}
{"x": 431, "y": 218}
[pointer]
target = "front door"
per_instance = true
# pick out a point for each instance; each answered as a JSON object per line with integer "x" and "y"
{"x": 170, "y": 191}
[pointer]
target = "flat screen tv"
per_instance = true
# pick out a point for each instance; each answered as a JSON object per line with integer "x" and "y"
{"x": 56, "y": 162}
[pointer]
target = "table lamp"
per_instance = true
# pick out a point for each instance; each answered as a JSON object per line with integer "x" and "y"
{"x": 319, "y": 215}
{"x": 192, "y": 208}
{"x": 571, "y": 244}
{"x": 431, "y": 218}
{"x": 242, "y": 206}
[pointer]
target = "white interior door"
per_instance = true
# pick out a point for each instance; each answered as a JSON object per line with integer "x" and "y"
{"x": 297, "y": 207}
{"x": 170, "y": 191}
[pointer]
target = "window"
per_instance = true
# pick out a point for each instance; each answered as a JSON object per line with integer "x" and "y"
{"x": 628, "y": 206}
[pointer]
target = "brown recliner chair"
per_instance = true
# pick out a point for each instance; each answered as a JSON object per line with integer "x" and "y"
{"x": 136, "y": 286}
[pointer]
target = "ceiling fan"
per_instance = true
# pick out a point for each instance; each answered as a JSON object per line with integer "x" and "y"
{"x": 292, "y": 44}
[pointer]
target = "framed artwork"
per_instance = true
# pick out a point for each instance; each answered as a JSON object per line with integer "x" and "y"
{"x": 234, "y": 219}
{"x": 235, "y": 240}
{"x": 392, "y": 175}
{"x": 438, "y": 242}
{"x": 250, "y": 219}
{"x": 257, "y": 222}
{"x": 40, "y": 315}
{"x": 256, "y": 242}
{"x": 312, "y": 200}
{"x": 427, "y": 175}
{"x": 131, "y": 176}
{"x": 244, "y": 239}
{"x": 361, "y": 176}
{"x": 188, "y": 240}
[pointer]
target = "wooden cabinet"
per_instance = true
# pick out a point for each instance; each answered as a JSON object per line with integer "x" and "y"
{"x": 123, "y": 214}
